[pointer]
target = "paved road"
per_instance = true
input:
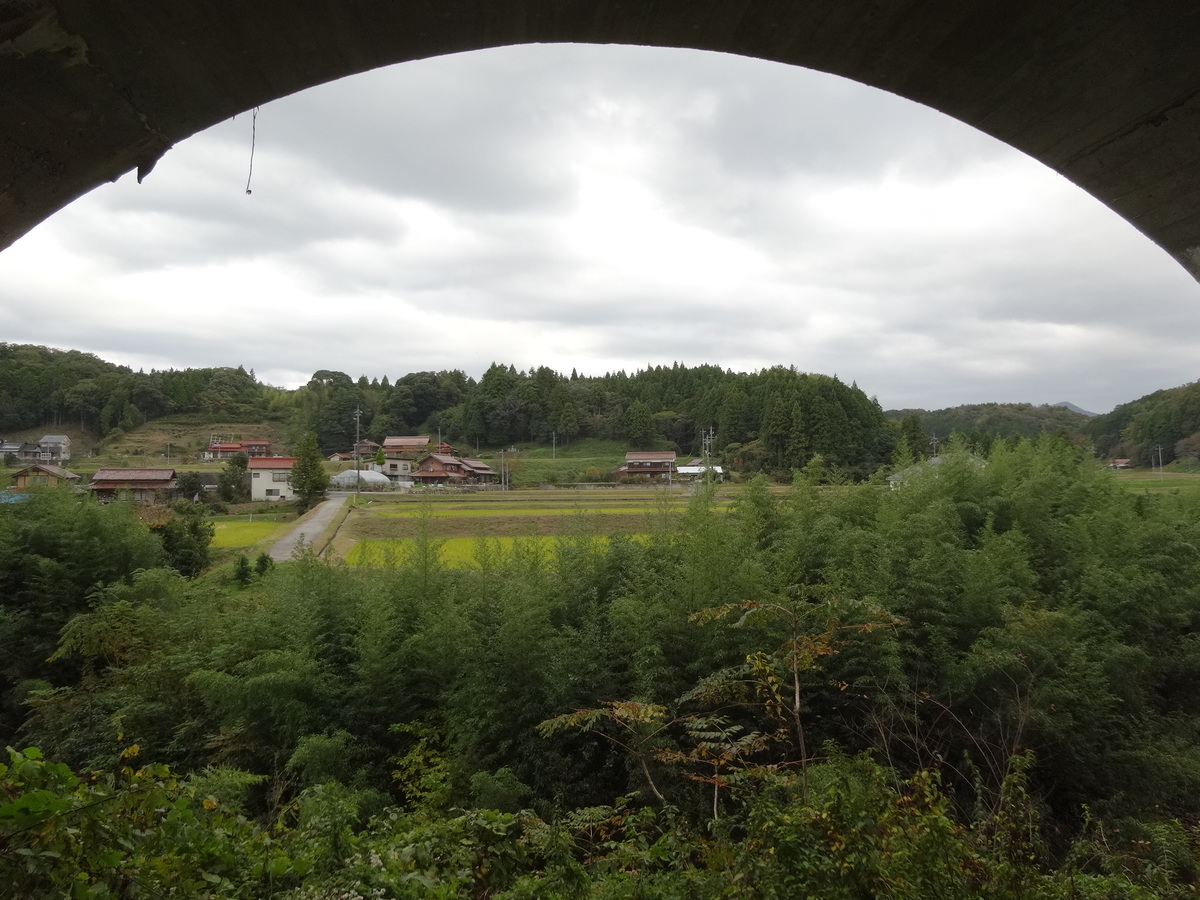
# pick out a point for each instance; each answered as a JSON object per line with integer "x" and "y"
{"x": 309, "y": 529}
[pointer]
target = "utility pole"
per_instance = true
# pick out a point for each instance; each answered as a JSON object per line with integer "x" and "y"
{"x": 706, "y": 442}
{"x": 357, "y": 454}
{"x": 1160, "y": 464}
{"x": 553, "y": 444}
{"x": 934, "y": 440}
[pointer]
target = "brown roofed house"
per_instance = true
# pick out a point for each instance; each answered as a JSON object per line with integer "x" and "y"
{"x": 138, "y": 485}
{"x": 651, "y": 463}
{"x": 478, "y": 471}
{"x": 441, "y": 468}
{"x": 438, "y": 468}
{"x": 42, "y": 474}
{"x": 410, "y": 446}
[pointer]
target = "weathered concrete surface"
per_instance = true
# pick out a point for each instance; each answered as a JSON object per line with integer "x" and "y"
{"x": 309, "y": 528}
{"x": 1106, "y": 92}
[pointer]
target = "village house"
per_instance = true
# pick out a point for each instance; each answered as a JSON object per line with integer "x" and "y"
{"x": 400, "y": 453}
{"x": 228, "y": 449}
{"x": 650, "y": 463}
{"x": 365, "y": 450}
{"x": 222, "y": 450}
{"x": 18, "y": 451}
{"x": 396, "y": 469}
{"x": 409, "y": 446}
{"x": 54, "y": 448}
{"x": 270, "y": 477}
{"x": 138, "y": 485}
{"x": 480, "y": 472}
{"x": 42, "y": 474}
{"x": 440, "y": 468}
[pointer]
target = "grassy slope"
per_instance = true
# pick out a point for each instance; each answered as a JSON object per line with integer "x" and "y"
{"x": 188, "y": 435}
{"x": 541, "y": 465}
{"x": 1170, "y": 481}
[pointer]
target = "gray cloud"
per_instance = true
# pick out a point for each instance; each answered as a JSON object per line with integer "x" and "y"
{"x": 603, "y": 208}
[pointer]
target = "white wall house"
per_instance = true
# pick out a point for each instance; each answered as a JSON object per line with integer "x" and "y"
{"x": 270, "y": 477}
{"x": 397, "y": 470}
{"x": 54, "y": 448}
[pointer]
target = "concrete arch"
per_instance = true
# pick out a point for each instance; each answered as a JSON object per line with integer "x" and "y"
{"x": 1106, "y": 93}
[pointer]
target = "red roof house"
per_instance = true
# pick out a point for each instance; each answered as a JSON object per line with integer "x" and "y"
{"x": 271, "y": 477}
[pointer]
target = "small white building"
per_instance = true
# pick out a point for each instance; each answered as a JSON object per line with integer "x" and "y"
{"x": 700, "y": 472}
{"x": 397, "y": 470}
{"x": 270, "y": 477}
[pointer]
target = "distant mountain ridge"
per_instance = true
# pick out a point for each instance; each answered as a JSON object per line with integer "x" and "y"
{"x": 999, "y": 420}
{"x": 1066, "y": 404}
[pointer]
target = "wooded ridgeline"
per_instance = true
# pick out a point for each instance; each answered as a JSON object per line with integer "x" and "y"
{"x": 775, "y": 420}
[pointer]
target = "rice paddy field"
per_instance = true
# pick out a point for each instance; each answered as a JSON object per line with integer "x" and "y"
{"x": 380, "y": 531}
{"x": 1152, "y": 481}
{"x": 461, "y": 553}
{"x": 232, "y": 532}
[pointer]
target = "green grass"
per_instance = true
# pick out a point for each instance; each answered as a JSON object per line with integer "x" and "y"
{"x": 536, "y": 465}
{"x": 1168, "y": 482}
{"x": 244, "y": 534}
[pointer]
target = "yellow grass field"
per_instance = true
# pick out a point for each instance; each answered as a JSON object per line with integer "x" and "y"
{"x": 380, "y": 529}
{"x": 457, "y": 553}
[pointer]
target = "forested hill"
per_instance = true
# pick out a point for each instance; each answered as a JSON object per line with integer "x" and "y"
{"x": 45, "y": 388}
{"x": 777, "y": 418}
{"x": 997, "y": 420}
{"x": 1167, "y": 419}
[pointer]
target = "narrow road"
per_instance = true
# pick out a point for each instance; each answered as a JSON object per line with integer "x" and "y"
{"x": 308, "y": 530}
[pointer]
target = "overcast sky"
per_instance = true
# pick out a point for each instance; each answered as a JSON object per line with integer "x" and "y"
{"x": 601, "y": 208}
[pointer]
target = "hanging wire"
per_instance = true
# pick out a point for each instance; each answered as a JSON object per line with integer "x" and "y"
{"x": 253, "y": 134}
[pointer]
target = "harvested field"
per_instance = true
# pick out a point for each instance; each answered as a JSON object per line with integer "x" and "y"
{"x": 501, "y": 516}
{"x": 476, "y": 511}
{"x": 369, "y": 527}
{"x": 456, "y": 553}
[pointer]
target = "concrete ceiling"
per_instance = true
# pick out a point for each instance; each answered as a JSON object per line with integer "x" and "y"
{"x": 1106, "y": 92}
